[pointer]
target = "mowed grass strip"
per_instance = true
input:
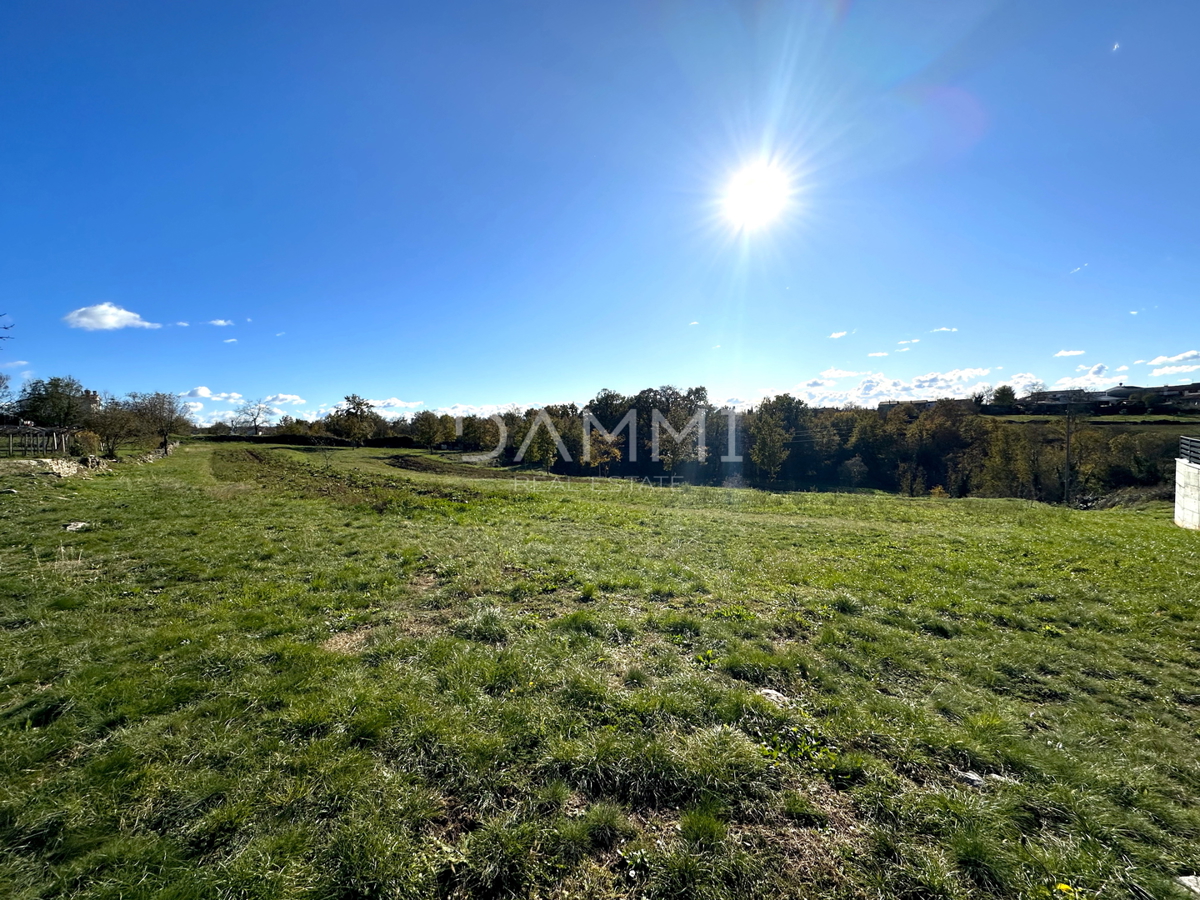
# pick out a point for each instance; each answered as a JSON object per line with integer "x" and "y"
{"x": 257, "y": 675}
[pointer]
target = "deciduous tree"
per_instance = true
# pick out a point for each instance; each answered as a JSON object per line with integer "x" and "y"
{"x": 356, "y": 420}
{"x": 768, "y": 442}
{"x": 253, "y": 415}
{"x": 161, "y": 415}
{"x": 115, "y": 423}
{"x": 54, "y": 402}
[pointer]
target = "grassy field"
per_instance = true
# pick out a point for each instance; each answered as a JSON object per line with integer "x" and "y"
{"x": 256, "y": 675}
{"x": 1157, "y": 424}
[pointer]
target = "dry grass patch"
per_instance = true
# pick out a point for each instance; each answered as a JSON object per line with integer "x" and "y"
{"x": 348, "y": 642}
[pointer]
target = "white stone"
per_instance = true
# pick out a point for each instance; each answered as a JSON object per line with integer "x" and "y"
{"x": 774, "y": 696}
{"x": 974, "y": 779}
{"x": 1191, "y": 882}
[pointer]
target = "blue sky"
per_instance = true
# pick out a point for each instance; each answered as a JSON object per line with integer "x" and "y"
{"x": 475, "y": 204}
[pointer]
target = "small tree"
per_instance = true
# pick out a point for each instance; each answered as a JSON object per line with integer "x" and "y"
{"x": 160, "y": 415}
{"x": 426, "y": 429}
{"x": 853, "y": 472}
{"x": 768, "y": 448}
{"x": 603, "y": 452}
{"x": 356, "y": 419}
{"x": 1004, "y": 396}
{"x": 253, "y": 414}
{"x": 542, "y": 449}
{"x": 115, "y": 424}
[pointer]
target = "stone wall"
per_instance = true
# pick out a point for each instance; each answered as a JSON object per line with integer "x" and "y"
{"x": 1187, "y": 494}
{"x": 61, "y": 466}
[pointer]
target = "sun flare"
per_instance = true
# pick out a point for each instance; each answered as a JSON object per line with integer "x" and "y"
{"x": 756, "y": 196}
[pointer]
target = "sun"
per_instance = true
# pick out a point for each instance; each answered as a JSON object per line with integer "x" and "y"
{"x": 756, "y": 196}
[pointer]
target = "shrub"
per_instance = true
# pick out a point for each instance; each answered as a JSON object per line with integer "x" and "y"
{"x": 86, "y": 443}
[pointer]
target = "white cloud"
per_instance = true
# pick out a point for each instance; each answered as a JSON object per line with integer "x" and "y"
{"x": 1175, "y": 370}
{"x": 294, "y": 399}
{"x": 484, "y": 410}
{"x": 819, "y": 383}
{"x": 194, "y": 406}
{"x": 876, "y": 354}
{"x": 1179, "y": 357}
{"x": 1070, "y": 353}
{"x": 936, "y": 330}
{"x": 15, "y": 364}
{"x": 1122, "y": 368}
{"x": 229, "y": 341}
{"x": 1138, "y": 362}
{"x": 182, "y": 324}
{"x": 394, "y": 403}
{"x": 1133, "y": 312}
{"x": 739, "y": 404}
{"x": 877, "y": 387}
{"x": 841, "y": 373}
{"x": 839, "y": 334}
{"x": 205, "y": 394}
{"x": 106, "y": 317}
{"x": 280, "y": 333}
{"x": 1095, "y": 377}
{"x": 1023, "y": 382}
{"x": 220, "y": 415}
{"x": 904, "y": 349}
{"x": 693, "y": 323}
{"x": 221, "y": 323}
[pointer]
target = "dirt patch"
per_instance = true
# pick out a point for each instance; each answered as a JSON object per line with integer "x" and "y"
{"x": 423, "y": 583}
{"x": 348, "y": 642}
{"x": 436, "y": 466}
{"x": 408, "y": 623}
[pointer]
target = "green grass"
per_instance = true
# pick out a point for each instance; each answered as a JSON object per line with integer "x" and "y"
{"x": 256, "y": 677}
{"x": 1181, "y": 424}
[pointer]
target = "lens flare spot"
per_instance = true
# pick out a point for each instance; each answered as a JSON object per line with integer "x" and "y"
{"x": 756, "y": 196}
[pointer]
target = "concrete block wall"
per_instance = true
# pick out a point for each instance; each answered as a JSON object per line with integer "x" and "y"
{"x": 1187, "y": 494}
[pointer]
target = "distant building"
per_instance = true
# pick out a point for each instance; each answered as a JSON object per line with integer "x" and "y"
{"x": 1114, "y": 399}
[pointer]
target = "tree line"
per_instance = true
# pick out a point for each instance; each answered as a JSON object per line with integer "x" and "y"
{"x": 948, "y": 448}
{"x": 101, "y": 424}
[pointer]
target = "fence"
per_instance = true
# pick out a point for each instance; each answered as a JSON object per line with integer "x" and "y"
{"x": 1189, "y": 449}
{"x": 29, "y": 440}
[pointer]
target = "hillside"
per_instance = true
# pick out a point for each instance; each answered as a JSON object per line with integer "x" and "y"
{"x": 275, "y": 673}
